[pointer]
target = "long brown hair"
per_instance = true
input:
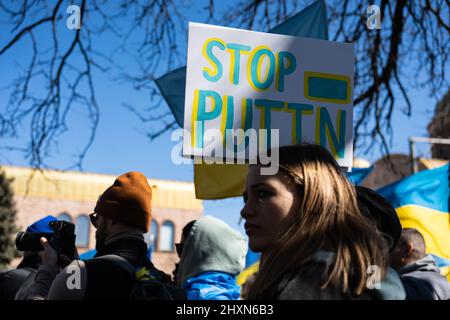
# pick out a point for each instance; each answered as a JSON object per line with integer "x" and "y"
{"x": 328, "y": 218}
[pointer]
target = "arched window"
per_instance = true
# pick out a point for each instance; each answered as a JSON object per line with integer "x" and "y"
{"x": 151, "y": 237}
{"x": 166, "y": 237}
{"x": 82, "y": 228}
{"x": 65, "y": 217}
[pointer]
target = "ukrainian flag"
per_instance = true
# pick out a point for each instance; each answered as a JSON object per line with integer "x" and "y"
{"x": 251, "y": 267}
{"x": 422, "y": 202}
{"x": 357, "y": 175}
{"x": 225, "y": 181}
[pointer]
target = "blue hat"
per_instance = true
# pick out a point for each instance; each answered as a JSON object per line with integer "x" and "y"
{"x": 42, "y": 225}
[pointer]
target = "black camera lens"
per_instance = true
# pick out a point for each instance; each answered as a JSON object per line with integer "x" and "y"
{"x": 30, "y": 241}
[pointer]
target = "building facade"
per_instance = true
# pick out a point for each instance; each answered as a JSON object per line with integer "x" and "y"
{"x": 398, "y": 166}
{"x": 72, "y": 196}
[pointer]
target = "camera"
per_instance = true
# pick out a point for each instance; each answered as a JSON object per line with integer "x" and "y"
{"x": 62, "y": 239}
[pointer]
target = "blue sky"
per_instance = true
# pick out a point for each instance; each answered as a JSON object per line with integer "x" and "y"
{"x": 121, "y": 145}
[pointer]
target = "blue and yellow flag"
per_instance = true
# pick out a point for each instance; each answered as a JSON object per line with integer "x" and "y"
{"x": 422, "y": 202}
{"x": 224, "y": 181}
{"x": 172, "y": 86}
{"x": 357, "y": 175}
{"x": 308, "y": 23}
{"x": 251, "y": 266}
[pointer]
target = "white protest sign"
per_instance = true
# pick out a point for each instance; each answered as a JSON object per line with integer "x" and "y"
{"x": 239, "y": 79}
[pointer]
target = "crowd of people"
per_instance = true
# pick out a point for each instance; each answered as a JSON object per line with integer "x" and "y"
{"x": 319, "y": 236}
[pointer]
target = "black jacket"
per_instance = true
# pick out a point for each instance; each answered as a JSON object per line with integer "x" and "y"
{"x": 106, "y": 279}
{"x": 306, "y": 281}
{"x": 14, "y": 284}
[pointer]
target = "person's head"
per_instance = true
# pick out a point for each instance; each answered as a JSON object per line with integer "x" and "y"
{"x": 32, "y": 259}
{"x": 410, "y": 248}
{"x": 376, "y": 207}
{"x": 211, "y": 245}
{"x": 307, "y": 206}
{"x": 123, "y": 207}
{"x": 184, "y": 234}
{"x": 179, "y": 246}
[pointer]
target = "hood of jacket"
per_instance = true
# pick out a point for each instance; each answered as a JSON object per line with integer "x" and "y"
{"x": 211, "y": 245}
{"x": 427, "y": 263}
{"x": 422, "y": 280}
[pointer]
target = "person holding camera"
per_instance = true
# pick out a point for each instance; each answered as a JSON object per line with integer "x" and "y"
{"x": 15, "y": 284}
{"x": 121, "y": 216}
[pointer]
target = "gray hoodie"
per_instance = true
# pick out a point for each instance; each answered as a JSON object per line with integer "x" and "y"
{"x": 212, "y": 246}
{"x": 422, "y": 280}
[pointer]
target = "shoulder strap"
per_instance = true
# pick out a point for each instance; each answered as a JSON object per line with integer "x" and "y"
{"x": 154, "y": 273}
{"x": 119, "y": 261}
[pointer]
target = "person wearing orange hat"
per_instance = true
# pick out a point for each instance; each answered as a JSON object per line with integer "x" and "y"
{"x": 125, "y": 206}
{"x": 121, "y": 217}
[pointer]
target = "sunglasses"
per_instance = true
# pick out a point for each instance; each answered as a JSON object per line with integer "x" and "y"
{"x": 94, "y": 218}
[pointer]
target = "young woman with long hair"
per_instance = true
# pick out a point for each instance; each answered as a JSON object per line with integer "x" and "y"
{"x": 315, "y": 242}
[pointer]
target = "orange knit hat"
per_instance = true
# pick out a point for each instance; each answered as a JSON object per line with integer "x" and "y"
{"x": 128, "y": 200}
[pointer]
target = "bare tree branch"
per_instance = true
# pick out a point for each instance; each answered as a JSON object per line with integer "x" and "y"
{"x": 410, "y": 50}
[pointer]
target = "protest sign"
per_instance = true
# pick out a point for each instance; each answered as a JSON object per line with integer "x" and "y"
{"x": 239, "y": 79}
